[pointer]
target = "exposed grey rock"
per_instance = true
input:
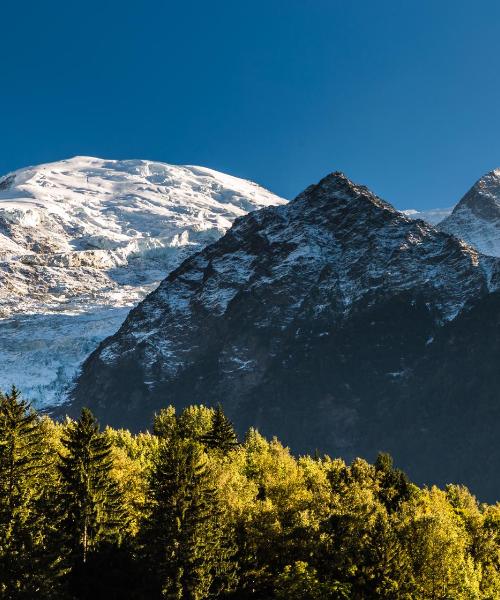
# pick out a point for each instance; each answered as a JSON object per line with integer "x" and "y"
{"x": 476, "y": 218}
{"x": 307, "y": 320}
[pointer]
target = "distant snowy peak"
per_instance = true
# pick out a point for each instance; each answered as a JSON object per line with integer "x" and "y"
{"x": 476, "y": 218}
{"x": 432, "y": 216}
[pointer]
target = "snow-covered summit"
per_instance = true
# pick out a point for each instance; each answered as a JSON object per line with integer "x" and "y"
{"x": 431, "y": 215}
{"x": 126, "y": 221}
{"x": 84, "y": 239}
{"x": 476, "y": 218}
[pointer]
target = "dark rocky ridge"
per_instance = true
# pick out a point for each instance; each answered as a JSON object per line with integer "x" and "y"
{"x": 334, "y": 322}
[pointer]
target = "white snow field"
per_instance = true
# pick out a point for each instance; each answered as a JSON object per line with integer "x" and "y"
{"x": 432, "y": 216}
{"x": 85, "y": 239}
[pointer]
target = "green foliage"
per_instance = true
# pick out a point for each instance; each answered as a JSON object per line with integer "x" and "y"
{"x": 184, "y": 537}
{"x": 22, "y": 489}
{"x": 90, "y": 501}
{"x": 193, "y": 423}
{"x": 395, "y": 487}
{"x": 300, "y": 581}
{"x": 221, "y": 435}
{"x": 132, "y": 458}
{"x": 186, "y": 512}
{"x": 165, "y": 424}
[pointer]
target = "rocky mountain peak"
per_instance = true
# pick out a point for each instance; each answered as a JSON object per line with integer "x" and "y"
{"x": 315, "y": 320}
{"x": 337, "y": 187}
{"x": 484, "y": 197}
{"x": 476, "y": 218}
{"x": 278, "y": 276}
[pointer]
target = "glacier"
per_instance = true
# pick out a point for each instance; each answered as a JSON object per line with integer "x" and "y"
{"x": 83, "y": 240}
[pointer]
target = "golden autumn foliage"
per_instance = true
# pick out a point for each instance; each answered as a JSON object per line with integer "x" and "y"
{"x": 288, "y": 527}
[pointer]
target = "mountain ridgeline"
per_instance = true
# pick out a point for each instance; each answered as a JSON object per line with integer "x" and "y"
{"x": 333, "y": 322}
{"x": 83, "y": 240}
{"x": 476, "y": 218}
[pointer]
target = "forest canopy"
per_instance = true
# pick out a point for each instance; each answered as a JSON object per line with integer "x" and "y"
{"x": 188, "y": 511}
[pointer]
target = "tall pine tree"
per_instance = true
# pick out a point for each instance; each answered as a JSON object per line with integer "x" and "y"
{"x": 92, "y": 511}
{"x": 21, "y": 491}
{"x": 221, "y": 435}
{"x": 184, "y": 537}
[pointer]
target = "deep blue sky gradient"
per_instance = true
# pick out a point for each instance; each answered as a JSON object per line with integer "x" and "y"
{"x": 403, "y": 96}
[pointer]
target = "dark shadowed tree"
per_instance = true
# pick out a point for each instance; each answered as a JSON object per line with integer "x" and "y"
{"x": 185, "y": 540}
{"x": 92, "y": 513}
{"x": 221, "y": 435}
{"x": 24, "y": 563}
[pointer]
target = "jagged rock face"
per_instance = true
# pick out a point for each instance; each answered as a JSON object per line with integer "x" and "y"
{"x": 306, "y": 320}
{"x": 83, "y": 240}
{"x": 476, "y": 218}
{"x": 449, "y": 409}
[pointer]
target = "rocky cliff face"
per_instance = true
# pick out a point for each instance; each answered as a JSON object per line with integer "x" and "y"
{"x": 308, "y": 320}
{"x": 83, "y": 240}
{"x": 476, "y": 218}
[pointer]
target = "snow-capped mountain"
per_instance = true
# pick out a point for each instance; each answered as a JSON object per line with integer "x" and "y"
{"x": 82, "y": 240}
{"x": 433, "y": 216}
{"x": 476, "y": 218}
{"x": 306, "y": 320}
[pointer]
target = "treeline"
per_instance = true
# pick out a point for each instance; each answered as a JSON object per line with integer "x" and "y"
{"x": 188, "y": 512}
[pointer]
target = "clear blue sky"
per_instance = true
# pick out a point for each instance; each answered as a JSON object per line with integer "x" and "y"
{"x": 402, "y": 95}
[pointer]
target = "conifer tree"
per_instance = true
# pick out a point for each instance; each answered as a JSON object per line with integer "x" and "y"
{"x": 185, "y": 541}
{"x": 21, "y": 521}
{"x": 221, "y": 435}
{"x": 395, "y": 487}
{"x": 91, "y": 502}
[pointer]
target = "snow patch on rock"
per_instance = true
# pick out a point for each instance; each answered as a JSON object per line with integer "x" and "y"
{"x": 476, "y": 218}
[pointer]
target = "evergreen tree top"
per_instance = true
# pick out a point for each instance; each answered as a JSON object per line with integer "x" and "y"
{"x": 222, "y": 435}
